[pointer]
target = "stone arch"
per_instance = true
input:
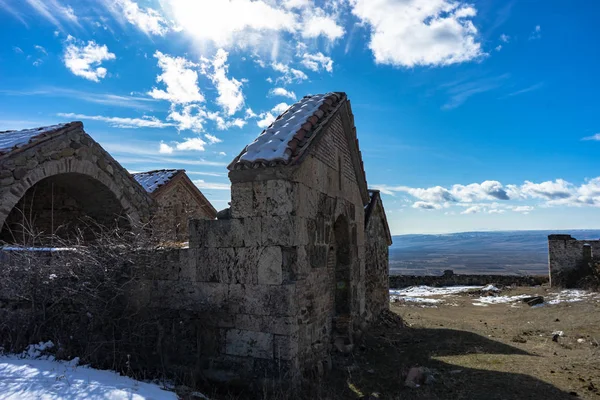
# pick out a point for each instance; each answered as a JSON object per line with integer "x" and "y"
{"x": 67, "y": 158}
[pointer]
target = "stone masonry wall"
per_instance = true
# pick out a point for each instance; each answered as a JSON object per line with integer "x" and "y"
{"x": 567, "y": 259}
{"x": 376, "y": 265}
{"x": 175, "y": 207}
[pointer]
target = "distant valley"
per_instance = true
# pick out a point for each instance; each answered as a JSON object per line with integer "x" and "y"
{"x": 503, "y": 253}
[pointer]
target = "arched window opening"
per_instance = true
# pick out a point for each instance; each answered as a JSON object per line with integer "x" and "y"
{"x": 65, "y": 206}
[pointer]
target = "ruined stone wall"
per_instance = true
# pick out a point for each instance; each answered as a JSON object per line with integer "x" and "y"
{"x": 570, "y": 260}
{"x": 175, "y": 207}
{"x": 376, "y": 265}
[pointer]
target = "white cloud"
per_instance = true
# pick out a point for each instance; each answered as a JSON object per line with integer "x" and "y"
{"x": 523, "y": 209}
{"x": 259, "y": 24}
{"x": 289, "y": 74}
{"x": 472, "y": 210}
{"x": 320, "y": 24}
{"x": 231, "y": 98}
{"x": 85, "y": 60}
{"x": 496, "y": 211}
{"x": 228, "y": 23}
{"x": 190, "y": 117}
{"x": 504, "y": 38}
{"x": 499, "y": 47}
{"x": 165, "y": 148}
{"x": 282, "y": 92}
{"x": 536, "y": 34}
{"x": 317, "y": 61}
{"x": 280, "y": 108}
{"x": 41, "y": 49}
{"x": 147, "y": 20}
{"x": 211, "y": 185}
{"x": 17, "y": 50}
{"x": 188, "y": 144}
{"x": 426, "y": 205}
{"x": 144, "y": 122}
{"x": 212, "y": 139}
{"x": 180, "y": 79}
{"x": 593, "y": 137}
{"x": 420, "y": 32}
{"x": 550, "y": 190}
{"x": 266, "y": 119}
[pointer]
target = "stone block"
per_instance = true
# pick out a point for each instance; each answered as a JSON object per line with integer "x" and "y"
{"x": 269, "y": 266}
{"x": 259, "y": 198}
{"x": 285, "y": 347}
{"x": 242, "y": 268}
{"x": 225, "y": 233}
{"x": 242, "y": 200}
{"x": 211, "y": 261}
{"x": 244, "y": 343}
{"x": 252, "y": 231}
{"x": 284, "y": 230}
{"x": 271, "y": 300}
{"x": 280, "y": 197}
{"x": 306, "y": 201}
{"x": 262, "y": 323}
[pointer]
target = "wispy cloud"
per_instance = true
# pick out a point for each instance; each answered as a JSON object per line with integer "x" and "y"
{"x": 526, "y": 90}
{"x": 593, "y": 137}
{"x": 54, "y": 12}
{"x": 119, "y": 122}
{"x": 201, "y": 184}
{"x": 460, "y": 92}
{"x": 136, "y": 102}
{"x": 536, "y": 34}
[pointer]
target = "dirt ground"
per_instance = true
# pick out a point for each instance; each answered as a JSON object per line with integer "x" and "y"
{"x": 499, "y": 351}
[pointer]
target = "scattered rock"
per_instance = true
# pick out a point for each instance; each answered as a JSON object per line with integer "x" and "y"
{"x": 415, "y": 377}
{"x": 556, "y": 335}
{"x": 533, "y": 301}
{"x": 519, "y": 339}
{"x": 580, "y": 340}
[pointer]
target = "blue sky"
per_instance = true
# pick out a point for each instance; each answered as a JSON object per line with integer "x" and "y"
{"x": 478, "y": 115}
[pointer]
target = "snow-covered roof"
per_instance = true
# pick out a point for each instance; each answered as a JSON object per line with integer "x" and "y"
{"x": 152, "y": 180}
{"x": 284, "y": 139}
{"x": 11, "y": 140}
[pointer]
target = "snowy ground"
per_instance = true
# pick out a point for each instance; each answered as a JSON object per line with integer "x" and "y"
{"x": 32, "y": 375}
{"x": 426, "y": 296}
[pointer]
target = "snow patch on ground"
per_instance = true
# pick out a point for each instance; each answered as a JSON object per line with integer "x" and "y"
{"x": 500, "y": 299}
{"x": 572, "y": 295}
{"x": 420, "y": 294}
{"x": 32, "y": 376}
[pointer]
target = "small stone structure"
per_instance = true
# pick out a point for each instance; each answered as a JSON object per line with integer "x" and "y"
{"x": 177, "y": 199}
{"x": 570, "y": 260}
{"x": 51, "y": 177}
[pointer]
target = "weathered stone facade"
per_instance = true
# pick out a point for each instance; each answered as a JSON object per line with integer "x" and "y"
{"x": 59, "y": 176}
{"x": 286, "y": 275}
{"x": 571, "y": 260}
{"x": 178, "y": 200}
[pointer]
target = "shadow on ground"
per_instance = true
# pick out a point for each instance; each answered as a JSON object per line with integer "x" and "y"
{"x": 385, "y": 355}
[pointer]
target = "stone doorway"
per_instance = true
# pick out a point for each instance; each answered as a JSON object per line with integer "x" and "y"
{"x": 342, "y": 320}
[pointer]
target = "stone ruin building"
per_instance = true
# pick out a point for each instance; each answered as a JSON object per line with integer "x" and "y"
{"x": 572, "y": 262}
{"x": 52, "y": 177}
{"x": 295, "y": 270}
{"x": 178, "y": 200}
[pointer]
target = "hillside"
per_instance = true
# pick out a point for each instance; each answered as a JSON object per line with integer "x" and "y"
{"x": 505, "y": 253}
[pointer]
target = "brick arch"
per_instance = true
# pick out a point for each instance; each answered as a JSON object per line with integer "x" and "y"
{"x": 69, "y": 151}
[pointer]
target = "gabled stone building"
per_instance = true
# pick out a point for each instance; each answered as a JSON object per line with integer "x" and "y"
{"x": 300, "y": 267}
{"x": 177, "y": 199}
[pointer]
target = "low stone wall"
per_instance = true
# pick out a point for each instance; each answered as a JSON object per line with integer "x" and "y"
{"x": 402, "y": 281}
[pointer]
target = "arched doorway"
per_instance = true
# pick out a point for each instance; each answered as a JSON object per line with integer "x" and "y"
{"x": 63, "y": 205}
{"x": 342, "y": 320}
